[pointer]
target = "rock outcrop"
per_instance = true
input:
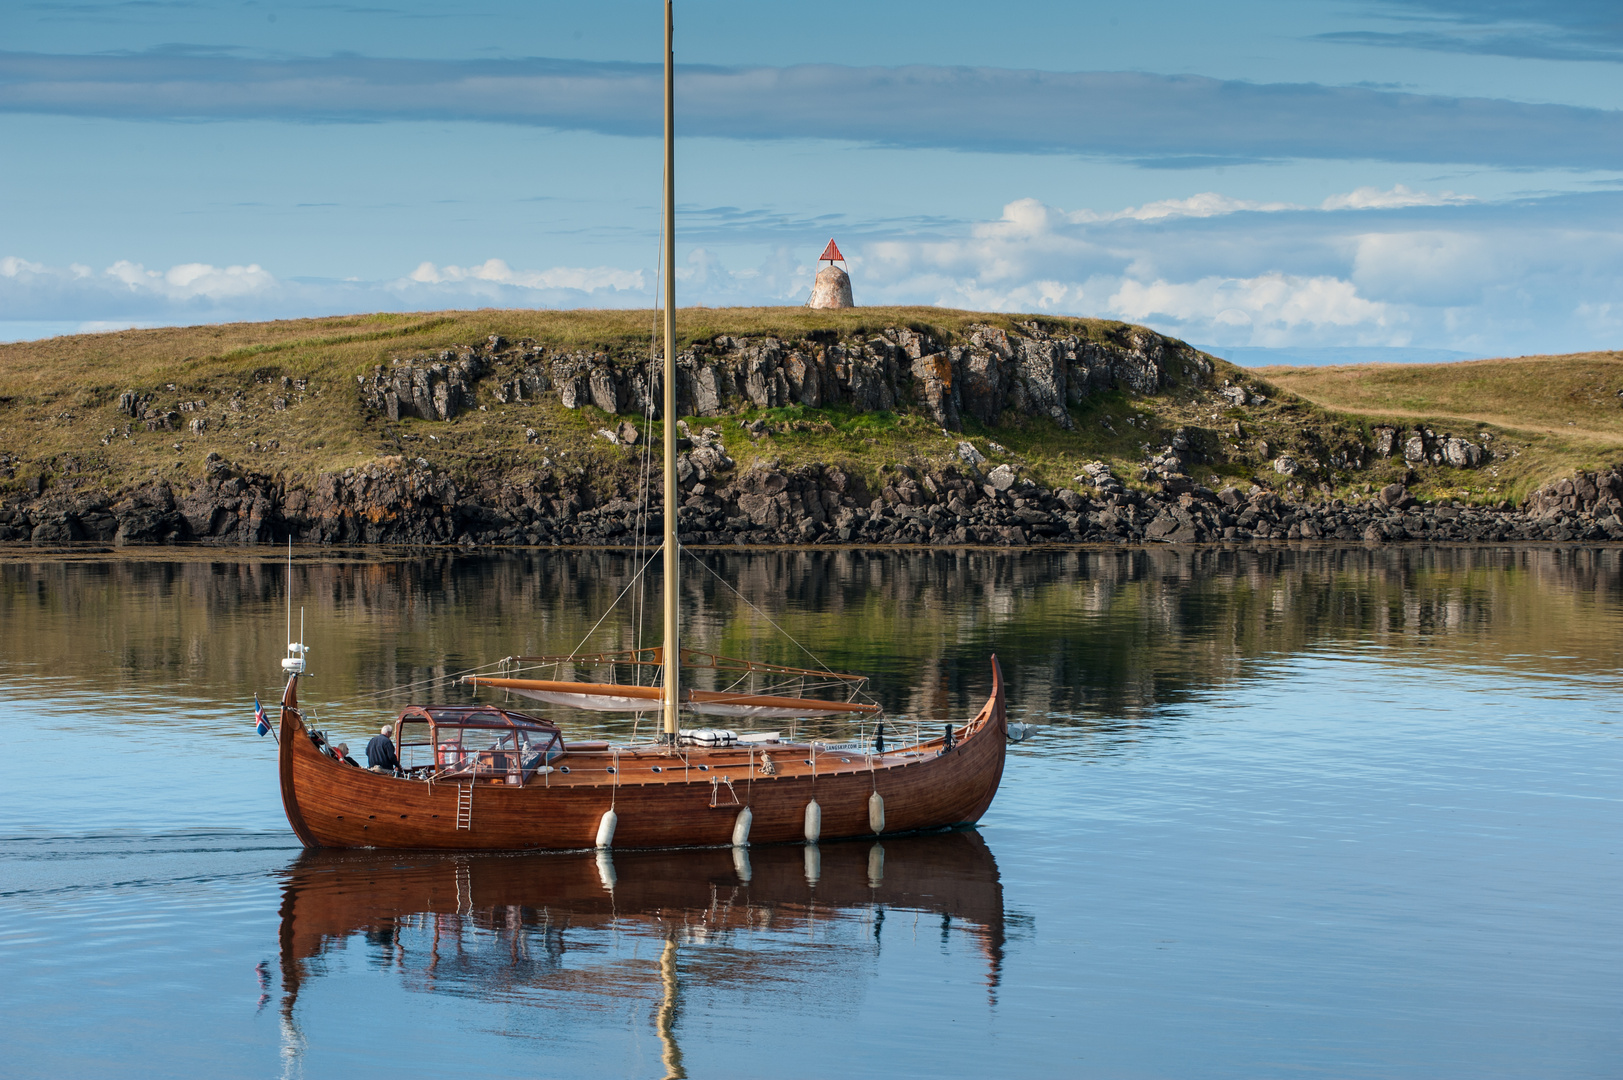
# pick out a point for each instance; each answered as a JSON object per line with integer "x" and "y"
{"x": 1423, "y": 446}
{"x": 397, "y": 502}
{"x": 431, "y": 389}
{"x": 1031, "y": 372}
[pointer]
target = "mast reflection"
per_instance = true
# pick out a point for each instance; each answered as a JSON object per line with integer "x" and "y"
{"x": 530, "y": 927}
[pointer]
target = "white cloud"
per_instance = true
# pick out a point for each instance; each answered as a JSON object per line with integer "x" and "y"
{"x": 184, "y": 282}
{"x": 1269, "y": 307}
{"x": 13, "y": 267}
{"x": 192, "y": 280}
{"x": 1206, "y": 204}
{"x": 1434, "y": 266}
{"x": 128, "y": 293}
{"x": 1397, "y": 197}
{"x": 1036, "y": 257}
{"x": 1536, "y": 275}
{"x": 497, "y": 272}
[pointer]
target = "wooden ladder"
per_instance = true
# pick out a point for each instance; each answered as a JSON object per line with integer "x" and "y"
{"x": 464, "y": 807}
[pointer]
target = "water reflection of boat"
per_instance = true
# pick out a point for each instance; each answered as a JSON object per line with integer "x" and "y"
{"x": 488, "y": 925}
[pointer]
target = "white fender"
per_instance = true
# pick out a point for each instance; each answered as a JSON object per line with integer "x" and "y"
{"x": 876, "y": 812}
{"x": 605, "y": 829}
{"x": 814, "y": 862}
{"x": 876, "y": 866}
{"x": 741, "y": 828}
{"x": 814, "y": 822}
{"x": 741, "y": 864}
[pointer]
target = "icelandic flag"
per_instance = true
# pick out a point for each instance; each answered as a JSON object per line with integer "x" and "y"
{"x": 261, "y": 721}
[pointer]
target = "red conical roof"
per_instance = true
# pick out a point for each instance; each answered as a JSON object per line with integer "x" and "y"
{"x": 831, "y": 253}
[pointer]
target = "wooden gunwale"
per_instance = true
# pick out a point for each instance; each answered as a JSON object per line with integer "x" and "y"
{"x": 687, "y": 803}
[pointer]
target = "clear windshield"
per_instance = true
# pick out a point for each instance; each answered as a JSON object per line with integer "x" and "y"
{"x": 494, "y": 753}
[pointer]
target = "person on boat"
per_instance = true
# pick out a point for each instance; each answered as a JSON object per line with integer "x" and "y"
{"x": 380, "y": 755}
{"x": 341, "y": 752}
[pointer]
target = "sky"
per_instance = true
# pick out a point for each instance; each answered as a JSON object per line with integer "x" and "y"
{"x": 1271, "y": 179}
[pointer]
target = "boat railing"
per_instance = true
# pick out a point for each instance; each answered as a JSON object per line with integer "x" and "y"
{"x": 900, "y": 735}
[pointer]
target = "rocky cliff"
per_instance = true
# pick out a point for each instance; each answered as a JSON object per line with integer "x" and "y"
{"x": 392, "y": 502}
{"x": 1031, "y": 372}
{"x": 1183, "y": 449}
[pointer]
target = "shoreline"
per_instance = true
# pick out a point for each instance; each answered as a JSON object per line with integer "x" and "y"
{"x": 810, "y": 506}
{"x": 306, "y": 554}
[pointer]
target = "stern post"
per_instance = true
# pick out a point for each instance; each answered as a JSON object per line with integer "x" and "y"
{"x": 292, "y": 723}
{"x": 290, "y": 739}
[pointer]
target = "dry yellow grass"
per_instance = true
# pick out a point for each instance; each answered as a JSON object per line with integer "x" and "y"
{"x": 1576, "y": 396}
{"x": 1565, "y": 411}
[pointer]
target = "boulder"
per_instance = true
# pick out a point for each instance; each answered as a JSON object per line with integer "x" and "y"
{"x": 59, "y": 528}
{"x": 1462, "y": 454}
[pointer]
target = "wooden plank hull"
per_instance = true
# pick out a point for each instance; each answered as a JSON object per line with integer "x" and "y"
{"x": 662, "y": 798}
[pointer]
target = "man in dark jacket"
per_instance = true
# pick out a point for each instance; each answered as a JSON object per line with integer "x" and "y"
{"x": 380, "y": 755}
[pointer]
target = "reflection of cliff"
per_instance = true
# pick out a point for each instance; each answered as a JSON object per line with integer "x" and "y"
{"x": 500, "y": 925}
{"x": 1106, "y": 632}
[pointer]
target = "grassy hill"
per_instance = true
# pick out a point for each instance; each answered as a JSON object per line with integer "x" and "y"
{"x": 280, "y": 398}
{"x": 1568, "y": 409}
{"x": 59, "y": 397}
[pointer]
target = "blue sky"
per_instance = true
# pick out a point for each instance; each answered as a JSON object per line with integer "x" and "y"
{"x": 1323, "y": 178}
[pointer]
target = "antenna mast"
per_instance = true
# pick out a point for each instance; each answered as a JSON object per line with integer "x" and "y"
{"x": 293, "y": 663}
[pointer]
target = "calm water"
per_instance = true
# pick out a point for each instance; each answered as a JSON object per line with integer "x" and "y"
{"x": 1329, "y": 813}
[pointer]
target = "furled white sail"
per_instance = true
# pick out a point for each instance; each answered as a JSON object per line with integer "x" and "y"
{"x": 761, "y": 712}
{"x": 613, "y": 697}
{"x": 596, "y": 702}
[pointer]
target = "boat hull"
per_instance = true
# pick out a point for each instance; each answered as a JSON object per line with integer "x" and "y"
{"x": 661, "y": 798}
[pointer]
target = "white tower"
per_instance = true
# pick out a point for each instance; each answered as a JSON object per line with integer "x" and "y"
{"x": 832, "y": 289}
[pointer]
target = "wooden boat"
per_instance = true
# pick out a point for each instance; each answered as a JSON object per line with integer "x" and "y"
{"x": 661, "y": 794}
{"x": 495, "y": 778}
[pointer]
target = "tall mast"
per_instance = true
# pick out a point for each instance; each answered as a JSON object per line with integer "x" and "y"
{"x": 673, "y": 638}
